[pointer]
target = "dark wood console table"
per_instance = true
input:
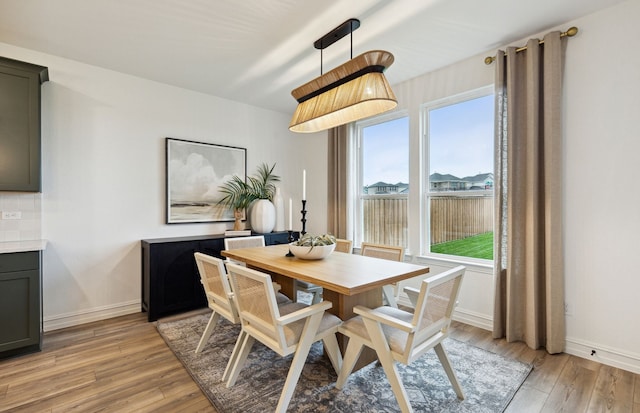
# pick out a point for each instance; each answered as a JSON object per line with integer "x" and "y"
{"x": 170, "y": 279}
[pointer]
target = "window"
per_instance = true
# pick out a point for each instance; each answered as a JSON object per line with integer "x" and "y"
{"x": 383, "y": 182}
{"x": 450, "y": 211}
{"x": 459, "y": 155}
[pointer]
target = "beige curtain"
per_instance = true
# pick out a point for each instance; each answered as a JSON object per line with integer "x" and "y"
{"x": 529, "y": 289}
{"x": 337, "y": 182}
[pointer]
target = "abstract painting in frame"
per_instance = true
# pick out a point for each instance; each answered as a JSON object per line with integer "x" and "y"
{"x": 195, "y": 171}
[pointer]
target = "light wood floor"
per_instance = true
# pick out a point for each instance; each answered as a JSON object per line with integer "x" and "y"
{"x": 123, "y": 365}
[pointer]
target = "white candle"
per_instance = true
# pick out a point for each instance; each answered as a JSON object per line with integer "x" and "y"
{"x": 304, "y": 184}
{"x": 290, "y": 209}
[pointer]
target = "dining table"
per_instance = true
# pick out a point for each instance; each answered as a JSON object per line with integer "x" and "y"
{"x": 347, "y": 280}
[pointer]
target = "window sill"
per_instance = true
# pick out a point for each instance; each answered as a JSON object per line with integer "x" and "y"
{"x": 478, "y": 265}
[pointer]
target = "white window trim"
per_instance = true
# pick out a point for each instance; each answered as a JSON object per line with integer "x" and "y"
{"x": 425, "y": 192}
{"x": 357, "y": 162}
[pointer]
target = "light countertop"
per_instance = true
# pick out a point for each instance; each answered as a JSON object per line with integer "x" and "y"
{"x": 22, "y": 246}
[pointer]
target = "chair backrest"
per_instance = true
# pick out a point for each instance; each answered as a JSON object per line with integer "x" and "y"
{"x": 387, "y": 252}
{"x": 216, "y": 286}
{"x": 257, "y": 305}
{"x": 435, "y": 306}
{"x": 243, "y": 242}
{"x": 343, "y": 245}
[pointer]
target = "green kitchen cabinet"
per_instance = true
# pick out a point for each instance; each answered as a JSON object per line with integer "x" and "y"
{"x": 20, "y": 303}
{"x": 20, "y": 126}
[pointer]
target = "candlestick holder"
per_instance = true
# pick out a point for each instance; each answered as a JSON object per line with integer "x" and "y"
{"x": 304, "y": 219}
{"x": 289, "y": 254}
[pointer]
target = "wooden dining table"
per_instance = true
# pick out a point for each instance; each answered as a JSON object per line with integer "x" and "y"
{"x": 347, "y": 279}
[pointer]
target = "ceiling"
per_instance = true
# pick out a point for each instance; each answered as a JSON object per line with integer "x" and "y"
{"x": 257, "y": 51}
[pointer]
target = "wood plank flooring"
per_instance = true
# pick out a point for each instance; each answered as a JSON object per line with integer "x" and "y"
{"x": 123, "y": 365}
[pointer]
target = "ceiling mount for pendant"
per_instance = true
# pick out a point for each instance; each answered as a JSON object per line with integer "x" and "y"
{"x": 336, "y": 34}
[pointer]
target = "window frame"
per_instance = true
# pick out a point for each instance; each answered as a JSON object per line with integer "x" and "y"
{"x": 425, "y": 192}
{"x": 359, "y": 181}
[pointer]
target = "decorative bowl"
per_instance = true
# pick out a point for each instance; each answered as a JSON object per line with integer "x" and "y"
{"x": 317, "y": 252}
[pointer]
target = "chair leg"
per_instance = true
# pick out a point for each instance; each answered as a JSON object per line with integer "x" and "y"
{"x": 388, "y": 364}
{"x": 351, "y": 356}
{"x": 234, "y": 355}
{"x": 211, "y": 325}
{"x": 330, "y": 343}
{"x": 446, "y": 364}
{"x": 393, "y": 376}
{"x": 387, "y": 292}
{"x": 240, "y": 359}
{"x": 307, "y": 338}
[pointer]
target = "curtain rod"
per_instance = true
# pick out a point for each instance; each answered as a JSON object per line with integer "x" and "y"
{"x": 570, "y": 33}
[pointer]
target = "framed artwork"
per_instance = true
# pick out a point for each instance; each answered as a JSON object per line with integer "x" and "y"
{"x": 194, "y": 171}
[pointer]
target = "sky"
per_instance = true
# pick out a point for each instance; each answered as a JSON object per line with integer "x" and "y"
{"x": 386, "y": 152}
{"x": 461, "y": 143}
{"x": 461, "y": 138}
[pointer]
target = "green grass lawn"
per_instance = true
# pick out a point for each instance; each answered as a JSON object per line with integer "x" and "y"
{"x": 478, "y": 246}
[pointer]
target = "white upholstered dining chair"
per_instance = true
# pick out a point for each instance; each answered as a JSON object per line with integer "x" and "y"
{"x": 401, "y": 336}
{"x": 243, "y": 242}
{"x": 218, "y": 291}
{"x": 387, "y": 252}
{"x": 220, "y": 297}
{"x": 342, "y": 245}
{"x": 250, "y": 242}
{"x": 288, "y": 329}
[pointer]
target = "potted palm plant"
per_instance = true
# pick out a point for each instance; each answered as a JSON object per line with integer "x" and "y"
{"x": 236, "y": 199}
{"x": 240, "y": 195}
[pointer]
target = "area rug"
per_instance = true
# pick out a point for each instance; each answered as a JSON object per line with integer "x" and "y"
{"x": 489, "y": 381}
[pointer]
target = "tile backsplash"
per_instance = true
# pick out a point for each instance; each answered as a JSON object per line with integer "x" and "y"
{"x": 28, "y": 226}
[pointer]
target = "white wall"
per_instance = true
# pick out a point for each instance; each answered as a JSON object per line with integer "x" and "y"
{"x": 103, "y": 140}
{"x": 601, "y": 201}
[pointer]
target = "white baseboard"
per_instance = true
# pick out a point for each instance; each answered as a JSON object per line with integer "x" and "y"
{"x": 609, "y": 356}
{"x": 472, "y": 318}
{"x": 57, "y": 322}
{"x": 603, "y": 354}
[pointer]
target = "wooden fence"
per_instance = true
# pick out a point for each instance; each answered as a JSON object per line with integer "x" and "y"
{"x": 458, "y": 217}
{"x": 385, "y": 220}
{"x": 453, "y": 217}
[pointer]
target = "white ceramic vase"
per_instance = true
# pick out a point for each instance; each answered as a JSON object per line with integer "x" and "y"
{"x": 263, "y": 216}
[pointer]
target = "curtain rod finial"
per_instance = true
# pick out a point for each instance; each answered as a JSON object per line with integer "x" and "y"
{"x": 572, "y": 31}
{"x": 488, "y": 60}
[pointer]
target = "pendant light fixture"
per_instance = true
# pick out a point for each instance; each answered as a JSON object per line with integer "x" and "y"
{"x": 352, "y": 91}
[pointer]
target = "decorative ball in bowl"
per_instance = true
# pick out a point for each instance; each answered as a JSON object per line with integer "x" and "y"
{"x": 313, "y": 247}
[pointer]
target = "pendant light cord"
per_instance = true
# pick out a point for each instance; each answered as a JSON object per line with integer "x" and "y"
{"x": 351, "y": 24}
{"x": 336, "y": 34}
